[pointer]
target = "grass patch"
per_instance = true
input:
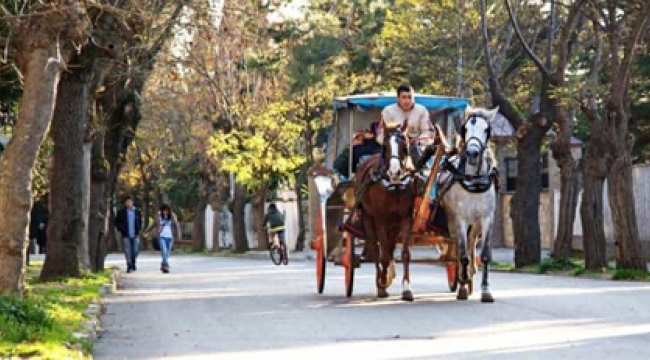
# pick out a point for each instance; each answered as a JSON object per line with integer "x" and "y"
{"x": 43, "y": 323}
{"x": 502, "y": 266}
{"x": 633, "y": 275}
{"x": 559, "y": 265}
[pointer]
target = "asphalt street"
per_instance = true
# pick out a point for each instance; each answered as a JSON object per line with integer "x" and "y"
{"x": 230, "y": 308}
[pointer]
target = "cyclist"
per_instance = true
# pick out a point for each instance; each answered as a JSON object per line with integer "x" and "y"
{"x": 275, "y": 220}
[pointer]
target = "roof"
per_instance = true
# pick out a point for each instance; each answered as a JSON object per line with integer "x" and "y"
{"x": 383, "y": 99}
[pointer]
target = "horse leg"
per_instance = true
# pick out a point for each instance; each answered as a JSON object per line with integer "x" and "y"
{"x": 472, "y": 240}
{"x": 391, "y": 243}
{"x": 463, "y": 257}
{"x": 407, "y": 292}
{"x": 372, "y": 236}
{"x": 486, "y": 258}
{"x": 383, "y": 280}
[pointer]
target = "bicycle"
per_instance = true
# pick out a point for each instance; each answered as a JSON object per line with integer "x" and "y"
{"x": 279, "y": 254}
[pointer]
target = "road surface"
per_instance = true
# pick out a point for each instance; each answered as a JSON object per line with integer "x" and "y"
{"x": 229, "y": 308}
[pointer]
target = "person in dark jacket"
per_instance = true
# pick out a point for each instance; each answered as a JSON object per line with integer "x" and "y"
{"x": 275, "y": 221}
{"x": 129, "y": 223}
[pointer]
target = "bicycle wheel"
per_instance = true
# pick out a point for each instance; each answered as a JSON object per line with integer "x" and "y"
{"x": 276, "y": 255}
{"x": 285, "y": 254}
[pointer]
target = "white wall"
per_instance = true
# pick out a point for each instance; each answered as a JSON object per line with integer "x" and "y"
{"x": 289, "y": 208}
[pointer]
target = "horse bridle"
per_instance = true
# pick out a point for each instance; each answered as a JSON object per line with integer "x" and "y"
{"x": 482, "y": 145}
{"x": 397, "y": 132}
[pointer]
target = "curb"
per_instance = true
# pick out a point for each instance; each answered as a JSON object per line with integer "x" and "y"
{"x": 92, "y": 325}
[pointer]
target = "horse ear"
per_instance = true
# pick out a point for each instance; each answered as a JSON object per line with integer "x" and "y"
{"x": 493, "y": 113}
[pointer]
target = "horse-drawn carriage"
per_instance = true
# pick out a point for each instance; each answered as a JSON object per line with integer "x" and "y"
{"x": 333, "y": 197}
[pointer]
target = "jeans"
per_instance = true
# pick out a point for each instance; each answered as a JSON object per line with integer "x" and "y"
{"x": 131, "y": 248}
{"x": 165, "y": 247}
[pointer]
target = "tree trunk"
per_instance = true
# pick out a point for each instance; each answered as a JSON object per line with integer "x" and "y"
{"x": 302, "y": 226}
{"x": 591, "y": 212}
{"x": 198, "y": 231}
{"x": 258, "y": 217}
{"x": 216, "y": 227}
{"x": 569, "y": 191}
{"x": 629, "y": 251}
{"x": 18, "y": 158}
{"x": 240, "y": 240}
{"x": 66, "y": 226}
{"x": 524, "y": 210}
{"x": 84, "y": 246}
{"x": 98, "y": 219}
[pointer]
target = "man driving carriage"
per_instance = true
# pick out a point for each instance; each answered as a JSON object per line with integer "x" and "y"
{"x": 415, "y": 122}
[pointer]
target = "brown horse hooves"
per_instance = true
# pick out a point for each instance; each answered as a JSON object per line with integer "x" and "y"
{"x": 487, "y": 298}
{"x": 382, "y": 293}
{"x": 407, "y": 296}
{"x": 462, "y": 294}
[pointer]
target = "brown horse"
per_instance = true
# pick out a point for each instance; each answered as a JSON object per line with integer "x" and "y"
{"x": 388, "y": 208}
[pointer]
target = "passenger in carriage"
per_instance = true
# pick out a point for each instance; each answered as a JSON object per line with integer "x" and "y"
{"x": 364, "y": 145}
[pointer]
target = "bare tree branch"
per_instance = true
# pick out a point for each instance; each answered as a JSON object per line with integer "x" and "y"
{"x": 505, "y": 107}
{"x": 564, "y": 45}
{"x": 529, "y": 51}
{"x": 631, "y": 47}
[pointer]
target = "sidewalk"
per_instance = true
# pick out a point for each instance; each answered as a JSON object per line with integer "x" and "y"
{"x": 500, "y": 255}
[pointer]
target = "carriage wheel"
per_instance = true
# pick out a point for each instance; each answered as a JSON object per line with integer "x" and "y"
{"x": 321, "y": 265}
{"x": 452, "y": 276}
{"x": 348, "y": 264}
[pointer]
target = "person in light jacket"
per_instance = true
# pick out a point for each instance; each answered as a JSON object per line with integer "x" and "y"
{"x": 167, "y": 230}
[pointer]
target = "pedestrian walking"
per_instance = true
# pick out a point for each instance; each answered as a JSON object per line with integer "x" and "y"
{"x": 129, "y": 223}
{"x": 168, "y": 231}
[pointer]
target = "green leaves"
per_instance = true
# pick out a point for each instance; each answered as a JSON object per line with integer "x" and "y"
{"x": 266, "y": 145}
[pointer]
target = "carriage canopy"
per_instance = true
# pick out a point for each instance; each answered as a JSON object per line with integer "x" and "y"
{"x": 358, "y": 112}
{"x": 381, "y": 100}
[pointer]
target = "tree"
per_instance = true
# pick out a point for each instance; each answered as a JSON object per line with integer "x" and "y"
{"x": 119, "y": 112}
{"x": 263, "y": 149}
{"x": 619, "y": 29}
{"x": 43, "y": 42}
{"x": 70, "y": 175}
{"x": 530, "y": 134}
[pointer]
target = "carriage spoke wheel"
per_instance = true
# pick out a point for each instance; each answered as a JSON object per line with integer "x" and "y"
{"x": 321, "y": 265}
{"x": 348, "y": 264}
{"x": 452, "y": 276}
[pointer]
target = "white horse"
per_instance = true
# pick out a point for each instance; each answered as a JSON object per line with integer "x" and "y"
{"x": 469, "y": 198}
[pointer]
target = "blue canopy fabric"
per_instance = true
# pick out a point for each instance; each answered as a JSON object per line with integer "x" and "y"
{"x": 380, "y": 101}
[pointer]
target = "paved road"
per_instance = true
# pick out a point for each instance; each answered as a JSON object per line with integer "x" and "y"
{"x": 226, "y": 308}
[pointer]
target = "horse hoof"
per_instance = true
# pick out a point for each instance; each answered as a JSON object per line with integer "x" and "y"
{"x": 408, "y": 296}
{"x": 487, "y": 298}
{"x": 382, "y": 293}
{"x": 462, "y": 294}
